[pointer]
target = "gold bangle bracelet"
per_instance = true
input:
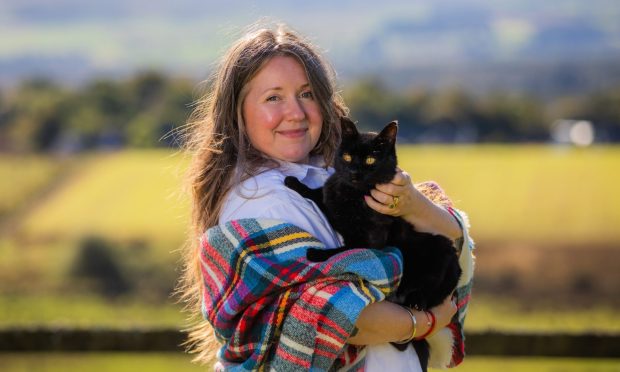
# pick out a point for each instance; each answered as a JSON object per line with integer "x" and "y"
{"x": 415, "y": 327}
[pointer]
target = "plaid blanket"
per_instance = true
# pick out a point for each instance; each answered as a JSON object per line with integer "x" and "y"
{"x": 455, "y": 354}
{"x": 272, "y": 309}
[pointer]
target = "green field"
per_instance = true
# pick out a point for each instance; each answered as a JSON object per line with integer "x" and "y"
{"x": 22, "y": 178}
{"x": 539, "y": 194}
{"x": 118, "y": 362}
{"x": 538, "y": 197}
{"x": 87, "y": 311}
{"x": 529, "y": 193}
{"x": 129, "y": 195}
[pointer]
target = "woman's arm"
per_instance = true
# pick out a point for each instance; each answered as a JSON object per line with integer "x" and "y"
{"x": 413, "y": 206}
{"x": 384, "y": 321}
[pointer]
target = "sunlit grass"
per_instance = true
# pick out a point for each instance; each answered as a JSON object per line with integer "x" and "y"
{"x": 487, "y": 313}
{"x": 22, "y": 178}
{"x": 99, "y": 362}
{"x": 529, "y": 193}
{"x": 133, "y": 194}
{"x": 540, "y": 194}
{"x": 153, "y": 362}
{"x": 88, "y": 311}
{"x": 82, "y": 311}
{"x": 486, "y": 364}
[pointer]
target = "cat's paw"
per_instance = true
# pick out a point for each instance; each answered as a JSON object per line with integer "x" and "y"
{"x": 315, "y": 255}
{"x": 292, "y": 182}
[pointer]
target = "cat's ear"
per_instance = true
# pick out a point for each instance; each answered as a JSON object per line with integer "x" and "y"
{"x": 388, "y": 134}
{"x": 348, "y": 128}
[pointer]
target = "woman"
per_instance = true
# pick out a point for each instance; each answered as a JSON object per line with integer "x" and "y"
{"x": 273, "y": 112}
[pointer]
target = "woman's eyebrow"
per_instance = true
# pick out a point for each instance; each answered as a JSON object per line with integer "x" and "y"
{"x": 279, "y": 88}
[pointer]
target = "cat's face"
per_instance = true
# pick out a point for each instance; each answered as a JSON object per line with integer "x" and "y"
{"x": 366, "y": 159}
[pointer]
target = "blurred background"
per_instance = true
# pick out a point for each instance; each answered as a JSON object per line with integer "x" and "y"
{"x": 512, "y": 106}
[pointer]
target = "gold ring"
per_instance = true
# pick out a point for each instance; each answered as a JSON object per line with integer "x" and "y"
{"x": 394, "y": 202}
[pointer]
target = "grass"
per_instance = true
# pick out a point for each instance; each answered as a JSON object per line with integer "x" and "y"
{"x": 73, "y": 310}
{"x": 484, "y": 364}
{"x": 98, "y": 362}
{"x": 22, "y": 178}
{"x": 127, "y": 195}
{"x": 538, "y": 194}
{"x": 89, "y": 311}
{"x": 487, "y": 312}
{"x": 120, "y": 362}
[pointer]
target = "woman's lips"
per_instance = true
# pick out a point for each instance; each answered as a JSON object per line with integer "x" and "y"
{"x": 294, "y": 133}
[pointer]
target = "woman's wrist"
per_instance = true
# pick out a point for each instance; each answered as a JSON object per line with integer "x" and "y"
{"x": 422, "y": 325}
{"x": 414, "y": 327}
{"x": 429, "y": 217}
{"x": 373, "y": 326}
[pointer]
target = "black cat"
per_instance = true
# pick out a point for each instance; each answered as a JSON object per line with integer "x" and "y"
{"x": 431, "y": 269}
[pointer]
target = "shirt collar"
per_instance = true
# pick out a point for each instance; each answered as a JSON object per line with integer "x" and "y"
{"x": 305, "y": 172}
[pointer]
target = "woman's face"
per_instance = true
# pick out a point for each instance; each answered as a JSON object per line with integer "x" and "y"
{"x": 282, "y": 119}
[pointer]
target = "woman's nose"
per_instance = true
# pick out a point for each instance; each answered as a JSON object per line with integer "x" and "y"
{"x": 295, "y": 110}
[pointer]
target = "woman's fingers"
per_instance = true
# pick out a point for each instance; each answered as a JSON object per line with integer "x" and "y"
{"x": 394, "y": 197}
{"x": 379, "y": 206}
{"x": 382, "y": 197}
{"x": 400, "y": 181}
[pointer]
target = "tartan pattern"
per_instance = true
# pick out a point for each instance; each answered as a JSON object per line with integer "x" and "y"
{"x": 465, "y": 248}
{"x": 463, "y": 290}
{"x": 273, "y": 309}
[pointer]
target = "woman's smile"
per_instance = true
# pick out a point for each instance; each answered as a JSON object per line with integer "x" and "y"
{"x": 293, "y": 133}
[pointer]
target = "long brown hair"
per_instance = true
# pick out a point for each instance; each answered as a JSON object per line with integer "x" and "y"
{"x": 221, "y": 153}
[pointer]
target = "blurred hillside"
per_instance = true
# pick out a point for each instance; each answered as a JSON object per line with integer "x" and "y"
{"x": 542, "y": 47}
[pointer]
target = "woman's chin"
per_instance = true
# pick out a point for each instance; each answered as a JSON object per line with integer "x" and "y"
{"x": 294, "y": 156}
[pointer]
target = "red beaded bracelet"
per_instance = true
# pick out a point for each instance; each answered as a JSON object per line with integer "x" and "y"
{"x": 430, "y": 329}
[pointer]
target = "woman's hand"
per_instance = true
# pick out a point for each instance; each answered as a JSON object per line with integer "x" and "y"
{"x": 400, "y": 198}
{"x": 397, "y": 198}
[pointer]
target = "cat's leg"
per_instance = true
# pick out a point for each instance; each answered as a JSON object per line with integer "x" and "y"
{"x": 294, "y": 184}
{"x": 316, "y": 195}
{"x": 320, "y": 255}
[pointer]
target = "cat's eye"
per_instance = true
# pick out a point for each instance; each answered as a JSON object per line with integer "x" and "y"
{"x": 346, "y": 157}
{"x": 370, "y": 160}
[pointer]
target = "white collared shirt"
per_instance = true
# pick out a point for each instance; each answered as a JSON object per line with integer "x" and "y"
{"x": 266, "y": 196}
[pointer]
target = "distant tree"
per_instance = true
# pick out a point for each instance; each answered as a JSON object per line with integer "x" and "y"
{"x": 99, "y": 267}
{"x": 603, "y": 109}
{"x": 143, "y": 111}
{"x": 35, "y": 116}
{"x": 147, "y": 89}
{"x": 373, "y": 105}
{"x": 502, "y": 117}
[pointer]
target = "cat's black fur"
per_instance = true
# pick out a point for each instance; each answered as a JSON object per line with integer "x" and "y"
{"x": 431, "y": 270}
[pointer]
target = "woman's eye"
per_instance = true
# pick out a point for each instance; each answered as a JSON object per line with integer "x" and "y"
{"x": 307, "y": 94}
{"x": 346, "y": 157}
{"x": 370, "y": 160}
{"x": 272, "y": 98}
